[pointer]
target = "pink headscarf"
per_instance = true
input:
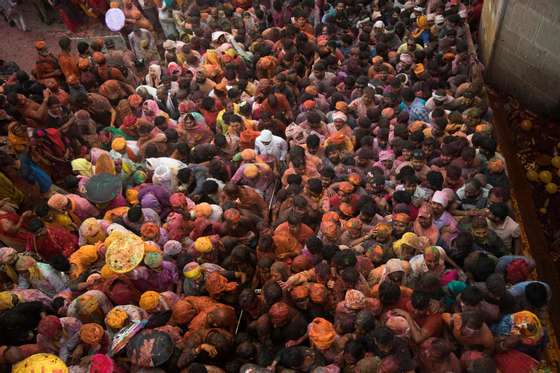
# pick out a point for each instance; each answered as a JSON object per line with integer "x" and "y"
{"x": 173, "y": 68}
{"x": 150, "y": 110}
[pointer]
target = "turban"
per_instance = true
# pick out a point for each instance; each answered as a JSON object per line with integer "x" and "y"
{"x": 309, "y": 104}
{"x": 440, "y": 197}
{"x": 321, "y": 333}
{"x": 7, "y": 255}
{"x": 419, "y": 69}
{"x": 50, "y": 326}
{"x": 116, "y": 318}
{"x": 416, "y": 126}
{"x": 85, "y": 255}
{"x": 409, "y": 239}
{"x": 401, "y": 217}
{"x": 517, "y": 270}
{"x": 330, "y": 216}
{"x": 318, "y": 293}
{"x": 6, "y": 300}
{"x": 98, "y": 57}
{"x": 279, "y": 312}
{"x": 203, "y": 245}
{"x": 329, "y": 229}
{"x": 340, "y": 106}
{"x": 248, "y": 154}
{"x": 172, "y": 248}
{"x": 121, "y": 291}
{"x": 87, "y": 305}
{"x": 232, "y": 215}
{"x": 132, "y": 196}
{"x": 83, "y": 63}
{"x": 91, "y": 333}
{"x": 168, "y": 44}
{"x": 40, "y": 45}
{"x": 299, "y": 292}
{"x": 178, "y": 200}
{"x": 300, "y": 263}
{"x": 338, "y": 115}
{"x": 149, "y": 301}
{"x": 388, "y": 113}
{"x": 203, "y": 210}
{"x": 354, "y": 299}
{"x": 101, "y": 363}
{"x": 82, "y": 165}
{"x": 106, "y": 272}
{"x": 183, "y": 311}
{"x": 92, "y": 231}
{"x": 216, "y": 284}
{"x": 118, "y": 144}
{"x": 353, "y": 223}
{"x": 153, "y": 259}
{"x": 149, "y": 231}
{"x": 383, "y": 228}
{"x": 58, "y": 201}
{"x": 346, "y": 187}
{"x": 337, "y": 138}
{"x": 250, "y": 171}
{"x": 192, "y": 271}
{"x": 311, "y": 90}
{"x": 134, "y": 100}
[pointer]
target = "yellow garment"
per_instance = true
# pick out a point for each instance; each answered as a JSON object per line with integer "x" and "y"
{"x": 47, "y": 363}
{"x": 116, "y": 318}
{"x": 82, "y": 166}
{"x": 6, "y": 300}
{"x": 203, "y": 245}
{"x": 105, "y": 164}
{"x": 9, "y": 190}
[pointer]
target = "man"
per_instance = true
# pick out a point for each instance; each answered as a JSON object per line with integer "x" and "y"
{"x": 67, "y": 61}
{"x": 141, "y": 42}
{"x": 269, "y": 145}
{"x": 46, "y": 65}
{"x": 505, "y": 227}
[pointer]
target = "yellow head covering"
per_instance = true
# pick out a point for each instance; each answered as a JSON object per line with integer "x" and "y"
{"x": 106, "y": 272}
{"x": 203, "y": 244}
{"x": 119, "y": 144}
{"x": 82, "y": 166}
{"x": 6, "y": 300}
{"x": 149, "y": 301}
{"x": 116, "y": 318}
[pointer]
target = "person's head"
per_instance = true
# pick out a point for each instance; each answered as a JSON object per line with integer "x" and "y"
{"x": 420, "y": 302}
{"x": 473, "y": 189}
{"x": 432, "y": 257}
{"x": 383, "y": 338}
{"x": 537, "y": 294}
{"x": 471, "y": 296}
{"x": 479, "y": 228}
{"x": 389, "y": 293}
{"x": 292, "y": 358}
{"x": 471, "y": 323}
{"x": 134, "y": 214}
{"x": 498, "y": 213}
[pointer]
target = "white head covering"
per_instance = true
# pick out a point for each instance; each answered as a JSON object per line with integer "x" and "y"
{"x": 440, "y": 197}
{"x": 265, "y": 136}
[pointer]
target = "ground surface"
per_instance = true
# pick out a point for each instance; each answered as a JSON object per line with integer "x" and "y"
{"x": 18, "y": 46}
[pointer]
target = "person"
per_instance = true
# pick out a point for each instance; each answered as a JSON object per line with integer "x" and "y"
{"x": 288, "y": 187}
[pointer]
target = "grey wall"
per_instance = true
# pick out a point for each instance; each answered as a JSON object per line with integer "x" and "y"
{"x": 520, "y": 46}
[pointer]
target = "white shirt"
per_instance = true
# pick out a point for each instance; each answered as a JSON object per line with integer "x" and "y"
{"x": 506, "y": 231}
{"x": 278, "y": 147}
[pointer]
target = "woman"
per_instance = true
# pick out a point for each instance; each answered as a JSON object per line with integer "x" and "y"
{"x": 11, "y": 226}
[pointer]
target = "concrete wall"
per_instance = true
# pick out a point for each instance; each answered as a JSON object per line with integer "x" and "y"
{"x": 520, "y": 46}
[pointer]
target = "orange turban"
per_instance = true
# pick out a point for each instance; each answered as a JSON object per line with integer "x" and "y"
{"x": 91, "y": 333}
{"x": 232, "y": 215}
{"x": 203, "y": 210}
{"x": 183, "y": 311}
{"x": 248, "y": 154}
{"x": 337, "y": 138}
{"x": 135, "y": 100}
{"x": 311, "y": 90}
{"x": 401, "y": 217}
{"x": 250, "y": 171}
{"x": 330, "y": 216}
{"x": 321, "y": 333}
{"x": 149, "y": 231}
{"x": 355, "y": 179}
{"x": 419, "y": 69}
{"x": 388, "y": 113}
{"x": 83, "y": 63}
{"x": 341, "y": 106}
{"x": 116, "y": 318}
{"x": 149, "y": 301}
{"x": 98, "y": 57}
{"x": 216, "y": 284}
{"x": 309, "y": 104}
{"x": 118, "y": 144}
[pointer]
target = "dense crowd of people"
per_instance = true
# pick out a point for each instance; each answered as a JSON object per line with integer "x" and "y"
{"x": 288, "y": 187}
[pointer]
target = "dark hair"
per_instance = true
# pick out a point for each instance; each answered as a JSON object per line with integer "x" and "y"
{"x": 272, "y": 293}
{"x": 499, "y": 210}
{"x": 536, "y": 294}
{"x": 209, "y": 187}
{"x": 389, "y": 293}
{"x": 420, "y": 300}
{"x": 134, "y": 214}
{"x": 64, "y": 43}
{"x": 60, "y": 263}
{"x": 184, "y": 174}
{"x": 197, "y": 368}
{"x": 350, "y": 275}
{"x": 383, "y": 335}
{"x": 472, "y": 296}
{"x": 291, "y": 357}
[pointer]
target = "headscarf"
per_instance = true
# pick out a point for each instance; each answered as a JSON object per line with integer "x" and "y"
{"x": 27, "y": 263}
{"x": 82, "y": 166}
{"x": 192, "y": 271}
{"x": 149, "y": 231}
{"x": 7, "y": 257}
{"x": 101, "y": 363}
{"x": 105, "y": 164}
{"x": 91, "y": 231}
{"x": 49, "y": 326}
{"x": 354, "y": 299}
{"x": 58, "y": 202}
{"x": 517, "y": 270}
{"x": 6, "y": 300}
{"x": 87, "y": 305}
{"x": 82, "y": 259}
{"x": 91, "y": 333}
{"x": 153, "y": 259}
{"x": 203, "y": 245}
{"x": 172, "y": 248}
{"x": 322, "y": 333}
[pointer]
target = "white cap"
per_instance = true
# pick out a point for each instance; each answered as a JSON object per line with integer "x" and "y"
{"x": 265, "y": 136}
{"x": 418, "y": 9}
{"x": 439, "y": 19}
{"x": 440, "y": 197}
{"x": 379, "y": 24}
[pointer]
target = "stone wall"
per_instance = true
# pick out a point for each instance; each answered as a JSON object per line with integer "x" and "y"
{"x": 520, "y": 46}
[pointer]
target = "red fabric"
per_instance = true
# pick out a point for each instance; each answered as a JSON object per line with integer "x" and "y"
{"x": 515, "y": 361}
{"x": 56, "y": 241}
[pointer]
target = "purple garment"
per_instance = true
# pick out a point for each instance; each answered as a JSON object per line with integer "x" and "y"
{"x": 145, "y": 279}
{"x": 155, "y": 197}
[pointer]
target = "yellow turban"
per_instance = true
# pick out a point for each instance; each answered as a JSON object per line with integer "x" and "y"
{"x": 203, "y": 244}
{"x": 250, "y": 171}
{"x": 132, "y": 196}
{"x": 6, "y": 300}
{"x": 106, "y": 272}
{"x": 203, "y": 210}
{"x": 119, "y": 144}
{"x": 116, "y": 318}
{"x": 149, "y": 301}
